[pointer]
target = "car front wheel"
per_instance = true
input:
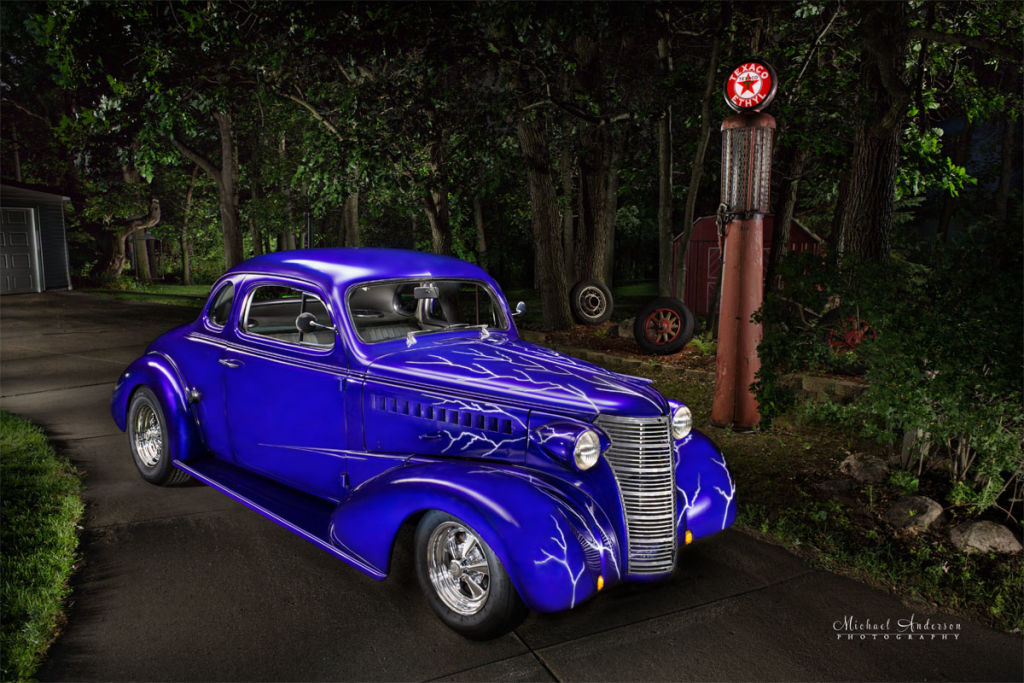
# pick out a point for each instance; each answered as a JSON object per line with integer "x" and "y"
{"x": 463, "y": 580}
{"x": 147, "y": 435}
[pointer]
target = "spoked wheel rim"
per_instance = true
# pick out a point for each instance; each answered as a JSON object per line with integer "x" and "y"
{"x": 458, "y": 568}
{"x": 592, "y": 302}
{"x": 148, "y": 436}
{"x": 662, "y": 326}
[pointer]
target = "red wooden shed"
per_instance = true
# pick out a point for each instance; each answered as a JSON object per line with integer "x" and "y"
{"x": 704, "y": 264}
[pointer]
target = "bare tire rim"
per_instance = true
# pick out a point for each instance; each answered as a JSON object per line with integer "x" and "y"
{"x": 458, "y": 568}
{"x": 662, "y": 326}
{"x": 592, "y": 302}
{"x": 149, "y": 437}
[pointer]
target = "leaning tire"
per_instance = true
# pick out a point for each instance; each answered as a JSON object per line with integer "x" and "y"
{"x": 663, "y": 326}
{"x": 147, "y": 436}
{"x": 591, "y": 302}
{"x": 463, "y": 580}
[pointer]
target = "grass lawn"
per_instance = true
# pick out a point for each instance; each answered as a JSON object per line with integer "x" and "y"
{"x": 190, "y": 296}
{"x": 39, "y": 512}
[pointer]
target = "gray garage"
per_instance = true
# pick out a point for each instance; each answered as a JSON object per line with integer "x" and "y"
{"x": 33, "y": 242}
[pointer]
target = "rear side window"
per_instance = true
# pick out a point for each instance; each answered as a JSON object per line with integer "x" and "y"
{"x": 220, "y": 309}
{"x": 274, "y": 310}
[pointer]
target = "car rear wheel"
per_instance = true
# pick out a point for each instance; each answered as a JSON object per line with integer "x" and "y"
{"x": 463, "y": 580}
{"x": 147, "y": 435}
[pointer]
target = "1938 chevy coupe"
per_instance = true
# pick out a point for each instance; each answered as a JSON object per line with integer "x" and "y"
{"x": 345, "y": 393}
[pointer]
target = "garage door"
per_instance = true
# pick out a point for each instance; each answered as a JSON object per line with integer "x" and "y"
{"x": 19, "y": 266}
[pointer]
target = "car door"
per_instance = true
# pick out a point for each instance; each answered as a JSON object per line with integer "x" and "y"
{"x": 284, "y": 390}
{"x": 202, "y": 372}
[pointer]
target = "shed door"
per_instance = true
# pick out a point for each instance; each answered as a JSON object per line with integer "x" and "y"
{"x": 19, "y": 267}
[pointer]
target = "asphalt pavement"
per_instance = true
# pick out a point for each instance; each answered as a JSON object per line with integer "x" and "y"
{"x": 184, "y": 584}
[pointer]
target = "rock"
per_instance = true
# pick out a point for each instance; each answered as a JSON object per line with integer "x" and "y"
{"x": 626, "y": 328}
{"x": 914, "y": 513}
{"x": 985, "y": 537}
{"x": 867, "y": 469}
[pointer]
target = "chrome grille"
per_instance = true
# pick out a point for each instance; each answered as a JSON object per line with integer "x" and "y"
{"x": 641, "y": 459}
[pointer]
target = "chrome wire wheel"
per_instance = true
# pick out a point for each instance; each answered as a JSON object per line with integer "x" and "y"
{"x": 458, "y": 568}
{"x": 148, "y": 435}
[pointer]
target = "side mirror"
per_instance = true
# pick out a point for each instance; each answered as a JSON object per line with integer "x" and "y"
{"x": 520, "y": 309}
{"x": 306, "y": 322}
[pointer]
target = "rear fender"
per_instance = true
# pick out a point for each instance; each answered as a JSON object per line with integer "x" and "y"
{"x": 158, "y": 373}
{"x": 552, "y": 539}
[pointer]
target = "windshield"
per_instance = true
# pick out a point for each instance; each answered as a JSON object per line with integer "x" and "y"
{"x": 392, "y": 310}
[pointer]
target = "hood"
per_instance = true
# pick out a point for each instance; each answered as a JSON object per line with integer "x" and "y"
{"x": 514, "y": 371}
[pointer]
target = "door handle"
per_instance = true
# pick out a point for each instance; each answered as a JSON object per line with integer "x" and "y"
{"x": 433, "y": 436}
{"x": 230, "y": 362}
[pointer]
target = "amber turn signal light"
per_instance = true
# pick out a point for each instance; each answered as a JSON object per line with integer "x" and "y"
{"x": 600, "y": 582}
{"x": 688, "y": 537}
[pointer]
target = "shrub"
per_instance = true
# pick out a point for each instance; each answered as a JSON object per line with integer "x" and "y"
{"x": 942, "y": 358}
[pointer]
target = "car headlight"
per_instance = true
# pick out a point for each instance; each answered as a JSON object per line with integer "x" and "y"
{"x": 682, "y": 422}
{"x": 587, "y": 450}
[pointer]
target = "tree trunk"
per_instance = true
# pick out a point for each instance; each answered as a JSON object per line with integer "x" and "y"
{"x": 115, "y": 266}
{"x": 549, "y": 256}
{"x": 186, "y": 247}
{"x": 598, "y": 185}
{"x": 566, "y": 168}
{"x": 862, "y": 225}
{"x": 144, "y": 274}
{"x": 665, "y": 184}
{"x": 1006, "y": 169}
{"x": 610, "y": 214}
{"x": 226, "y": 178}
{"x": 784, "y": 218}
{"x": 350, "y": 220}
{"x": 481, "y": 236}
{"x": 697, "y": 169}
{"x": 228, "y": 190}
{"x": 435, "y": 201}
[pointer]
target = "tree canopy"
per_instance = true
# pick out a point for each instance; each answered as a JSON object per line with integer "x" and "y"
{"x": 552, "y": 139}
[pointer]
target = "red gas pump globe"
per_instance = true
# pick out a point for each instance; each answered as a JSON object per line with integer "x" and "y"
{"x": 751, "y": 86}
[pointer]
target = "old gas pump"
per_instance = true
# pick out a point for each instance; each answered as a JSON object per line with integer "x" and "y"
{"x": 747, "y": 138}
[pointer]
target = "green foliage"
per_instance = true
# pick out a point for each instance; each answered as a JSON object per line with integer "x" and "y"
{"x": 916, "y": 566}
{"x": 39, "y": 511}
{"x": 942, "y": 360}
{"x": 705, "y": 343}
{"x": 904, "y": 481}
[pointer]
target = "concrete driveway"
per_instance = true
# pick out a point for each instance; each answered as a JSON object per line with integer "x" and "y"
{"x": 184, "y": 584}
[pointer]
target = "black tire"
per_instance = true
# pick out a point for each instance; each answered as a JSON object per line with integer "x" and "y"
{"x": 591, "y": 302}
{"x": 663, "y": 326}
{"x": 498, "y": 611}
{"x": 147, "y": 437}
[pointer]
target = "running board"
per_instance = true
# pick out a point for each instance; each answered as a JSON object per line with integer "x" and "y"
{"x": 302, "y": 514}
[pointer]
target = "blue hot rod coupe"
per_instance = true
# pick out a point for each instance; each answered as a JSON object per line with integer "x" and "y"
{"x": 344, "y": 393}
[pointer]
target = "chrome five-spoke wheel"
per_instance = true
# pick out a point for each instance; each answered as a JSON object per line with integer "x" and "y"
{"x": 458, "y": 568}
{"x": 463, "y": 580}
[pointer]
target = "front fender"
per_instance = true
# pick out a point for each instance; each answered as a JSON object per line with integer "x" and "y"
{"x": 705, "y": 491}
{"x": 158, "y": 373}
{"x": 552, "y": 539}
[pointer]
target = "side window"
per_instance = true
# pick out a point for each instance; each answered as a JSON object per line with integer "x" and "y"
{"x": 274, "y": 310}
{"x": 220, "y": 309}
